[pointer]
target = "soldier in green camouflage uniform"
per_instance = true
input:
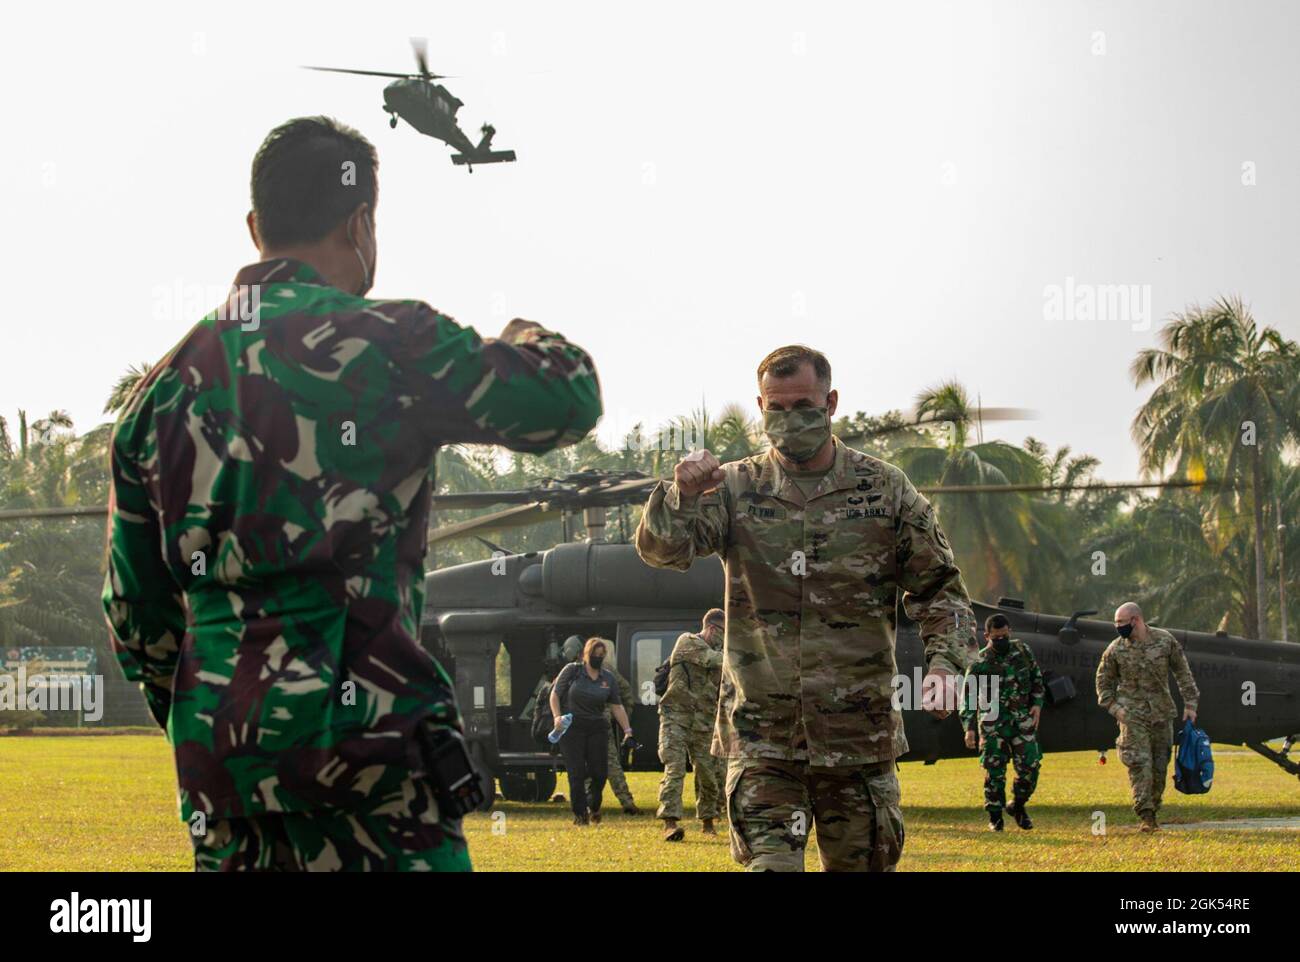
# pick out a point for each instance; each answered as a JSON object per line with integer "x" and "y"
{"x": 818, "y": 542}
{"x": 687, "y": 712}
{"x": 1133, "y": 685}
{"x": 267, "y": 526}
{"x": 1005, "y": 725}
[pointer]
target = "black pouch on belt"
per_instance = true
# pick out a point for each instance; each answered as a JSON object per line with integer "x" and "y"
{"x": 456, "y": 785}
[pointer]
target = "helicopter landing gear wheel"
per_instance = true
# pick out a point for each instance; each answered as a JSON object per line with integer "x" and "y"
{"x": 392, "y": 120}
{"x": 533, "y": 786}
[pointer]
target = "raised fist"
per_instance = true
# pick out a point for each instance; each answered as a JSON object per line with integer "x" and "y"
{"x": 697, "y": 473}
{"x": 517, "y": 327}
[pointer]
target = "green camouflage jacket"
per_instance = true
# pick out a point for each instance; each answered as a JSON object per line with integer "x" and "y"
{"x": 1134, "y": 675}
{"x": 268, "y": 521}
{"x": 1020, "y": 685}
{"x": 812, "y": 589}
{"x": 694, "y": 675}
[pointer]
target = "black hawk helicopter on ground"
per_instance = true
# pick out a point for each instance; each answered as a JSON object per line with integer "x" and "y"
{"x": 431, "y": 109}
{"x": 496, "y": 625}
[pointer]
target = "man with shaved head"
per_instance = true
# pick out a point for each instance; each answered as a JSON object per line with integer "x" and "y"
{"x": 1133, "y": 685}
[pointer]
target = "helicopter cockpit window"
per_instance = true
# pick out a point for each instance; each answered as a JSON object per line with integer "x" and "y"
{"x": 650, "y": 649}
{"x": 503, "y": 677}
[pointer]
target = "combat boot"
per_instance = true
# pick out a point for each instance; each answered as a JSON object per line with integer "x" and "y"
{"x": 672, "y": 831}
{"x": 995, "y": 822}
{"x": 1149, "y": 823}
{"x": 630, "y": 809}
{"x": 1020, "y": 816}
{"x": 580, "y": 820}
{"x": 708, "y": 828}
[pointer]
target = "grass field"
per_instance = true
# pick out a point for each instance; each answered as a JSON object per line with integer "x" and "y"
{"x": 109, "y": 803}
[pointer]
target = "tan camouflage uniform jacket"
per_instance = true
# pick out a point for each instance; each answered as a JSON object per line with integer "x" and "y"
{"x": 691, "y": 698}
{"x": 811, "y": 592}
{"x": 1134, "y": 675}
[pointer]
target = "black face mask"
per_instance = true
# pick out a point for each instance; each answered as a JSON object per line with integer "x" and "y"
{"x": 1001, "y": 645}
{"x": 596, "y": 661}
{"x": 1125, "y": 630}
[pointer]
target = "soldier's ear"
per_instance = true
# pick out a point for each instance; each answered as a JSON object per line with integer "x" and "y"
{"x": 832, "y": 402}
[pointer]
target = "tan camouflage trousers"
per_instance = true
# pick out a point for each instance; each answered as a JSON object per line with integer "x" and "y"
{"x": 400, "y": 833}
{"x": 1144, "y": 749}
{"x": 774, "y": 804}
{"x": 679, "y": 743}
{"x": 617, "y": 779}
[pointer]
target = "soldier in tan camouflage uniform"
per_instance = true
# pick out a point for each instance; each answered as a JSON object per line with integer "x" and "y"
{"x": 818, "y": 542}
{"x": 687, "y": 712}
{"x": 1133, "y": 685}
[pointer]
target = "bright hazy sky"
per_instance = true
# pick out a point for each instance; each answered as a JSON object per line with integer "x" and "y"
{"x": 896, "y": 184}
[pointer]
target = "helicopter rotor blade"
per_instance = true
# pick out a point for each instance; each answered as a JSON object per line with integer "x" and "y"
{"x": 481, "y": 499}
{"x": 365, "y": 73}
{"x": 987, "y": 414}
{"x": 520, "y": 516}
{"x": 421, "y": 47}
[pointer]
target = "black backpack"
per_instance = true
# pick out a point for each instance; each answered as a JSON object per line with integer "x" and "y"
{"x": 543, "y": 723}
{"x": 661, "y": 678}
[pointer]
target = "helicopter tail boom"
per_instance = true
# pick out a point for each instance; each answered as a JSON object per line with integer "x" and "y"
{"x": 486, "y": 157}
{"x": 483, "y": 152}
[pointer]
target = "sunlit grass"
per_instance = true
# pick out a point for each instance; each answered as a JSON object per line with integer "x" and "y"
{"x": 109, "y": 803}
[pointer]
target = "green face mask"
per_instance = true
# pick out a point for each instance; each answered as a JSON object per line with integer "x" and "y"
{"x": 798, "y": 434}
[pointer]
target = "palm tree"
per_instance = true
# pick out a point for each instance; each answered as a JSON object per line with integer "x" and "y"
{"x": 125, "y": 387}
{"x": 1227, "y": 398}
{"x": 993, "y": 535}
{"x": 50, "y": 569}
{"x": 1179, "y": 565}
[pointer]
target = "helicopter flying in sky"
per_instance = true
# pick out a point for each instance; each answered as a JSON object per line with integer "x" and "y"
{"x": 431, "y": 109}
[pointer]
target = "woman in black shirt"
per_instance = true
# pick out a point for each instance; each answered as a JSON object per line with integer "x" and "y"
{"x": 584, "y": 688}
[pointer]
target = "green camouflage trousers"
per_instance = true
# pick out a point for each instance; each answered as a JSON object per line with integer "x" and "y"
{"x": 773, "y": 805}
{"x": 679, "y": 742}
{"x": 617, "y": 780}
{"x": 1011, "y": 740}
{"x": 399, "y": 833}
{"x": 1144, "y": 749}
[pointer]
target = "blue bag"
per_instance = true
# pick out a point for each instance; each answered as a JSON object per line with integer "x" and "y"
{"x": 1193, "y": 764}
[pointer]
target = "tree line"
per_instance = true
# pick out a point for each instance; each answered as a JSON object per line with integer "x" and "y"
{"x": 1224, "y": 408}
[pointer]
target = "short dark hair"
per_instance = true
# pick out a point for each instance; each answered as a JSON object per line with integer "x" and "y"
{"x": 715, "y": 616}
{"x": 786, "y": 361}
{"x": 300, "y": 192}
{"x": 996, "y": 621}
